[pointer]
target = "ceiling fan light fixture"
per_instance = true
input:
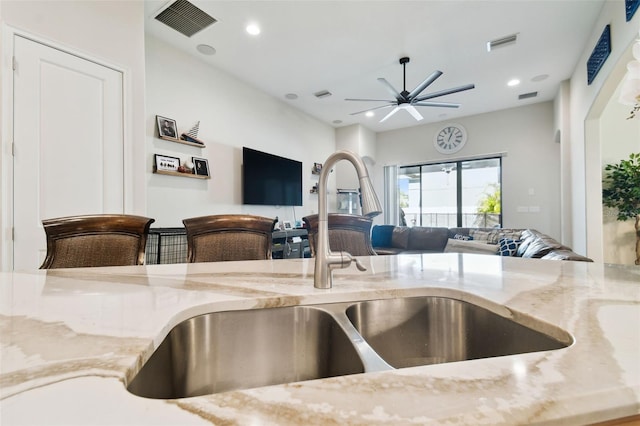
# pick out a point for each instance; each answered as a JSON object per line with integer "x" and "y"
{"x": 393, "y": 111}
{"x": 408, "y": 101}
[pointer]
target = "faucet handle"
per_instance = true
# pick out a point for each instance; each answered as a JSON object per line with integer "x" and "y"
{"x": 359, "y": 265}
{"x": 349, "y": 258}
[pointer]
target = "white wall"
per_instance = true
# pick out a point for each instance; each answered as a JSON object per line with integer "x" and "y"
{"x": 619, "y": 137}
{"x": 232, "y": 115}
{"x": 361, "y": 140}
{"x": 109, "y": 32}
{"x": 562, "y": 130}
{"x": 531, "y": 164}
{"x": 584, "y": 151}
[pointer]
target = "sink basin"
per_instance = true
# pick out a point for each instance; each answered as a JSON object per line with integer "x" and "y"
{"x": 222, "y": 351}
{"x": 408, "y": 332}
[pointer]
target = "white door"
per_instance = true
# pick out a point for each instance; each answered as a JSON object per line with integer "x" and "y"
{"x": 68, "y": 136}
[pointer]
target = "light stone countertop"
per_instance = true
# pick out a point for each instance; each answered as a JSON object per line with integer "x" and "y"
{"x": 71, "y": 338}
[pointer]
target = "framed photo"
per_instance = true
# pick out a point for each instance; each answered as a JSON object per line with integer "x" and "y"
{"x": 200, "y": 166}
{"x": 287, "y": 225}
{"x": 317, "y": 168}
{"x": 167, "y": 127}
{"x": 166, "y": 163}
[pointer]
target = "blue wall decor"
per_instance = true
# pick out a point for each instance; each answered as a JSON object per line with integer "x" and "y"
{"x": 630, "y": 7}
{"x": 599, "y": 55}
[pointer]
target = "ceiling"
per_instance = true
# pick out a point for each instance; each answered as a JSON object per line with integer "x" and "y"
{"x": 344, "y": 46}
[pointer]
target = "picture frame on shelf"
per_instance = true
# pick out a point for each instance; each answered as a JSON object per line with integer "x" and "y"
{"x": 287, "y": 225}
{"x": 166, "y": 163}
{"x": 167, "y": 127}
{"x": 200, "y": 166}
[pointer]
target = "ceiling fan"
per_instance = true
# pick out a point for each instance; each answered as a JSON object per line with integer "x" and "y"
{"x": 409, "y": 100}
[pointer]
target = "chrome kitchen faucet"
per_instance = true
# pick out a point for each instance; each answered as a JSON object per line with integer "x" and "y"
{"x": 326, "y": 260}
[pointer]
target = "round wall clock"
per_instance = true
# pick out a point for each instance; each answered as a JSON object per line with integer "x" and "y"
{"x": 450, "y": 138}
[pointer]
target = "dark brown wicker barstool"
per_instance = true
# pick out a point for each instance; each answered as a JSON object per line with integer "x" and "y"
{"x": 228, "y": 237}
{"x": 347, "y": 232}
{"x": 95, "y": 240}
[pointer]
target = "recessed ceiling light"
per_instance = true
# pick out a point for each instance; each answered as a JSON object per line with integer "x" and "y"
{"x": 205, "y": 49}
{"x": 540, "y": 77}
{"x": 253, "y": 29}
{"x": 513, "y": 82}
{"x": 337, "y": 121}
{"x": 291, "y": 96}
{"x": 369, "y": 114}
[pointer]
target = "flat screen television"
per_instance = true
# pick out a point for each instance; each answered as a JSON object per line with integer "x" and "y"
{"x": 268, "y": 179}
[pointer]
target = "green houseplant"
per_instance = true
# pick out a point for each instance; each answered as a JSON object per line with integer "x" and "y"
{"x": 621, "y": 190}
{"x": 489, "y": 207}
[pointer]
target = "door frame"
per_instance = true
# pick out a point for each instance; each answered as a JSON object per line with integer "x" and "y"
{"x": 8, "y": 36}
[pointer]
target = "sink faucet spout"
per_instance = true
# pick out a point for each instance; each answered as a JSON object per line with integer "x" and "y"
{"x": 326, "y": 260}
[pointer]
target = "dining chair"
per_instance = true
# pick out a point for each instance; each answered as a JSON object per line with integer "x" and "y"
{"x": 227, "y": 237}
{"x": 347, "y": 232}
{"x": 95, "y": 240}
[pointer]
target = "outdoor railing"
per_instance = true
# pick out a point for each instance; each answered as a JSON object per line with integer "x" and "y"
{"x": 450, "y": 220}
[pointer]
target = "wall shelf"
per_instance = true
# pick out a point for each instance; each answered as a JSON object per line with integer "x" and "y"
{"x": 199, "y": 145}
{"x": 189, "y": 175}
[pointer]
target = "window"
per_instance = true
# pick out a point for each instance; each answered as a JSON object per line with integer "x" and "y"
{"x": 449, "y": 194}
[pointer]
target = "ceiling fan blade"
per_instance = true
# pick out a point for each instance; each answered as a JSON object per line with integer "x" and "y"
{"x": 373, "y": 109}
{"x": 444, "y": 92}
{"x": 437, "y": 104}
{"x": 393, "y": 111}
{"x": 415, "y": 92}
{"x": 413, "y": 112}
{"x": 390, "y": 88}
{"x": 370, "y": 100}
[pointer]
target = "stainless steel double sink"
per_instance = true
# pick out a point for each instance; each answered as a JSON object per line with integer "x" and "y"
{"x": 223, "y": 351}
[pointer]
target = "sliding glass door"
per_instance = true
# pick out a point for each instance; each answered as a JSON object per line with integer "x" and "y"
{"x": 459, "y": 193}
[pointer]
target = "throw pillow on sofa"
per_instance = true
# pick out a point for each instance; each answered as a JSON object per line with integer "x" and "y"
{"x": 508, "y": 247}
{"x": 381, "y": 235}
{"x": 493, "y": 236}
{"x": 462, "y": 237}
{"x": 478, "y": 247}
{"x": 541, "y": 246}
{"x": 489, "y": 237}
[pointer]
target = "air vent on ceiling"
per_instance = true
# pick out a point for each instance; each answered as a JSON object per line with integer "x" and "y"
{"x": 185, "y": 18}
{"x": 528, "y": 95}
{"x": 322, "y": 94}
{"x": 501, "y": 42}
